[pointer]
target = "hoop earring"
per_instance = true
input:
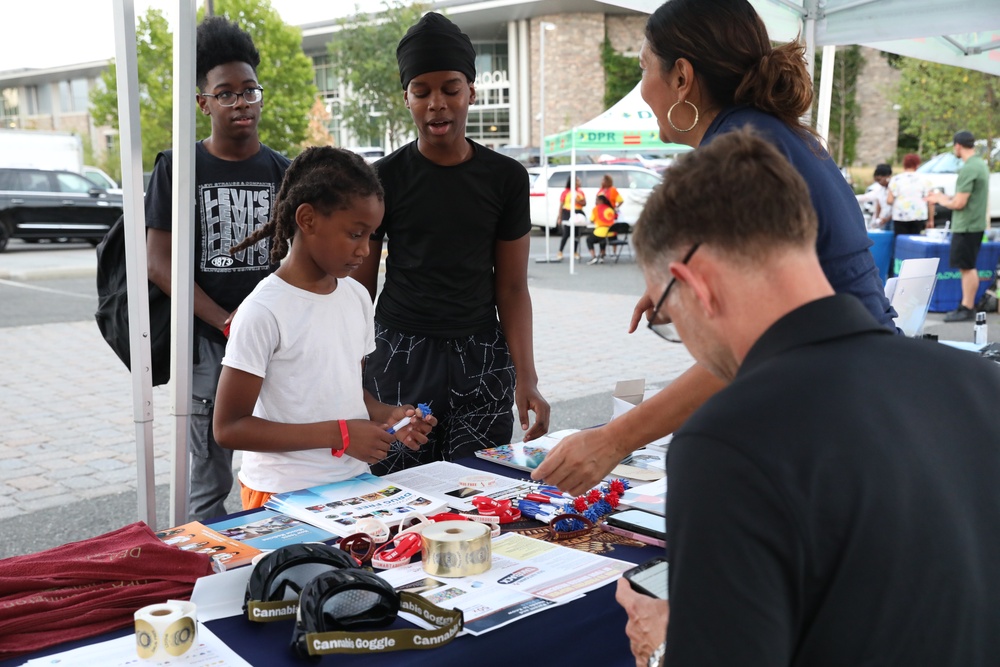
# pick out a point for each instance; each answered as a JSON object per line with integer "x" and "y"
{"x": 671, "y": 110}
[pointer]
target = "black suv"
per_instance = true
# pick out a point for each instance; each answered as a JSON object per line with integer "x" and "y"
{"x": 40, "y": 204}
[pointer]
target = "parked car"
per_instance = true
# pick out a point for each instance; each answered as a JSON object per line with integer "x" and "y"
{"x": 633, "y": 182}
{"x": 942, "y": 171}
{"x": 38, "y": 204}
{"x": 369, "y": 153}
{"x": 100, "y": 178}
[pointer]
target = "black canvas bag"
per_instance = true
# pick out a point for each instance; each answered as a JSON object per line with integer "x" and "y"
{"x": 112, "y": 306}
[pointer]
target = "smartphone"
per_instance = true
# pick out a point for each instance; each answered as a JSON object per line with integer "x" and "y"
{"x": 640, "y": 521}
{"x": 650, "y": 578}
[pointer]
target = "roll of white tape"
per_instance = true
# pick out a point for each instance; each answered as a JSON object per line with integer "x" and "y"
{"x": 164, "y": 631}
{"x": 456, "y": 548}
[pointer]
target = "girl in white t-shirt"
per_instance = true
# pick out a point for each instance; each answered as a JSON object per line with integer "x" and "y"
{"x": 290, "y": 395}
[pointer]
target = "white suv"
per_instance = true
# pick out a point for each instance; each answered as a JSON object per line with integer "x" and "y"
{"x": 633, "y": 182}
{"x": 942, "y": 171}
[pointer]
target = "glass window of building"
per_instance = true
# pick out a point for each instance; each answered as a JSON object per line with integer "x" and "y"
{"x": 489, "y": 117}
{"x": 9, "y": 108}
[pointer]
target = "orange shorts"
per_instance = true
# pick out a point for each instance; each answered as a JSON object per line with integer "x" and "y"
{"x": 252, "y": 499}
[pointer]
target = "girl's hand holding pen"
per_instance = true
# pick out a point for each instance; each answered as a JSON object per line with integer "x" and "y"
{"x": 412, "y": 425}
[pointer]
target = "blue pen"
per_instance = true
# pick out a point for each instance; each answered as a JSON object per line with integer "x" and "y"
{"x": 425, "y": 411}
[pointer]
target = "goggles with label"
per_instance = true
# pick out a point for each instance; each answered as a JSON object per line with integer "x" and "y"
{"x": 278, "y": 579}
{"x": 334, "y": 604}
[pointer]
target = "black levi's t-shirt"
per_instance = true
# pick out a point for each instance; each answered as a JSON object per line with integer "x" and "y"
{"x": 442, "y": 225}
{"x": 232, "y": 199}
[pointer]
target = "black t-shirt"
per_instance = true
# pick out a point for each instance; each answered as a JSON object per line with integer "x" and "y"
{"x": 836, "y": 504}
{"x": 442, "y": 225}
{"x": 232, "y": 198}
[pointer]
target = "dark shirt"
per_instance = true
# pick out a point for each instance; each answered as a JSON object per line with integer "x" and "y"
{"x": 232, "y": 199}
{"x": 837, "y": 503}
{"x": 842, "y": 242}
{"x": 442, "y": 226}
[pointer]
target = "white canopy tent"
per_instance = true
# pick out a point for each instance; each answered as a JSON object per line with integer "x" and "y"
{"x": 629, "y": 125}
{"x": 930, "y": 29}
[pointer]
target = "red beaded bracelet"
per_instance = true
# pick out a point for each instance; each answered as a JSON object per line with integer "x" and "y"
{"x": 345, "y": 437}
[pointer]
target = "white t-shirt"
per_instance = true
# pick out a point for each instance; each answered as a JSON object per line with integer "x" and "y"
{"x": 308, "y": 348}
{"x": 909, "y": 190}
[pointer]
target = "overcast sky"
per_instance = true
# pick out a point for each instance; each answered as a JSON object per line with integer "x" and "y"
{"x": 49, "y": 33}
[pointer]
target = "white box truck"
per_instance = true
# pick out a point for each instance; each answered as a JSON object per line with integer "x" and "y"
{"x": 38, "y": 149}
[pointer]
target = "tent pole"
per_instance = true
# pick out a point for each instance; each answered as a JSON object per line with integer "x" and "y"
{"x": 130, "y": 143}
{"x": 182, "y": 255}
{"x": 809, "y": 33}
{"x": 572, "y": 197}
{"x": 542, "y": 158}
{"x": 825, "y": 94}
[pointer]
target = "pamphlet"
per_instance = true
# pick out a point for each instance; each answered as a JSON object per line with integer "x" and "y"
{"x": 199, "y": 538}
{"x": 266, "y": 529}
{"x": 446, "y": 480}
{"x": 524, "y": 455}
{"x": 650, "y": 497}
{"x": 337, "y": 507}
{"x": 527, "y": 576}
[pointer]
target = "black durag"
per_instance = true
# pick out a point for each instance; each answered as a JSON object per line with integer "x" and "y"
{"x": 434, "y": 44}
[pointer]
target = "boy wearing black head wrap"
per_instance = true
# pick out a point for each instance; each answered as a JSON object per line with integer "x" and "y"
{"x": 453, "y": 321}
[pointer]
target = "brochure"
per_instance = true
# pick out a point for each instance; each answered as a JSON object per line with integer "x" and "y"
{"x": 458, "y": 484}
{"x": 524, "y": 455}
{"x": 195, "y": 536}
{"x": 527, "y": 576}
{"x": 267, "y": 530}
{"x": 338, "y": 506}
{"x": 650, "y": 497}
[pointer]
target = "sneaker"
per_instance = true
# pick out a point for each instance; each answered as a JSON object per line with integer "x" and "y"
{"x": 593, "y": 260}
{"x": 559, "y": 256}
{"x": 576, "y": 255}
{"x": 600, "y": 260}
{"x": 960, "y": 314}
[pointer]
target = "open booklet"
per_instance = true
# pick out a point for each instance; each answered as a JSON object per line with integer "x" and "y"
{"x": 458, "y": 485}
{"x": 337, "y": 507}
{"x": 644, "y": 465}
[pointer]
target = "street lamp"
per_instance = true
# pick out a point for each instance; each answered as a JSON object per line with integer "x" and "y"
{"x": 543, "y": 27}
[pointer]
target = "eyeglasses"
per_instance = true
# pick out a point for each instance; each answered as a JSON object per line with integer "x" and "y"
{"x": 666, "y": 330}
{"x": 228, "y": 98}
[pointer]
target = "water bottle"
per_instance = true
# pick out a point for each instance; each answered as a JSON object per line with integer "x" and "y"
{"x": 979, "y": 330}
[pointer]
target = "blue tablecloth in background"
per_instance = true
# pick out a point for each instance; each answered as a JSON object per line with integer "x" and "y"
{"x": 882, "y": 251}
{"x": 948, "y": 292}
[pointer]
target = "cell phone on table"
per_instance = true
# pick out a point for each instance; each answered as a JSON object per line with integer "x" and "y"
{"x": 640, "y": 521}
{"x": 650, "y": 578}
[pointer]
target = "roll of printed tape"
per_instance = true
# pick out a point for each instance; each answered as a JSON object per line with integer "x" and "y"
{"x": 164, "y": 631}
{"x": 456, "y": 548}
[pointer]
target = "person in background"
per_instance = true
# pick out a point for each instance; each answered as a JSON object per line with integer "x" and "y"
{"x": 290, "y": 395}
{"x": 709, "y": 69}
{"x": 236, "y": 178}
{"x": 793, "y": 536}
{"x": 603, "y": 216}
{"x": 911, "y": 212}
{"x": 968, "y": 220}
{"x": 453, "y": 322}
{"x": 874, "y": 199}
{"x": 610, "y": 192}
{"x": 570, "y": 214}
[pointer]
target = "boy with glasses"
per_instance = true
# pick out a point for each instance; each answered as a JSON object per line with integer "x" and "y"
{"x": 236, "y": 179}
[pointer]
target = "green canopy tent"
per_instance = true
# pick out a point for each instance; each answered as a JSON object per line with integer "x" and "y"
{"x": 629, "y": 125}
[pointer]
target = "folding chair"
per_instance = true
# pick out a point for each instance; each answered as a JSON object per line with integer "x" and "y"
{"x": 621, "y": 231}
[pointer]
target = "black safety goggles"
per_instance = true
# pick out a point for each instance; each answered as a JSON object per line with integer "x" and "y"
{"x": 279, "y": 578}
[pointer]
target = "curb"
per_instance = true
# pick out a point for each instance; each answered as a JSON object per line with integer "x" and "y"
{"x": 48, "y": 273}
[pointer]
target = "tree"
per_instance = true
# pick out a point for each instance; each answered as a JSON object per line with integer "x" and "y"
{"x": 938, "y": 100}
{"x": 317, "y": 133}
{"x": 374, "y": 105}
{"x": 154, "y": 55}
{"x": 844, "y": 108}
{"x": 621, "y": 73}
{"x": 285, "y": 72}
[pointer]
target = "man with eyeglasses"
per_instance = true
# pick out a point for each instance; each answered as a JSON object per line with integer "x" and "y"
{"x": 236, "y": 180}
{"x": 813, "y": 516}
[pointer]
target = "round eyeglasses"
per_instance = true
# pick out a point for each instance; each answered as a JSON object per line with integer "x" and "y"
{"x": 666, "y": 330}
{"x": 228, "y": 98}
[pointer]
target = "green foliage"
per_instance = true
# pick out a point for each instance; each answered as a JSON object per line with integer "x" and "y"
{"x": 938, "y": 100}
{"x": 285, "y": 72}
{"x": 844, "y": 107}
{"x": 621, "y": 73}
{"x": 362, "y": 53}
{"x": 154, "y": 56}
